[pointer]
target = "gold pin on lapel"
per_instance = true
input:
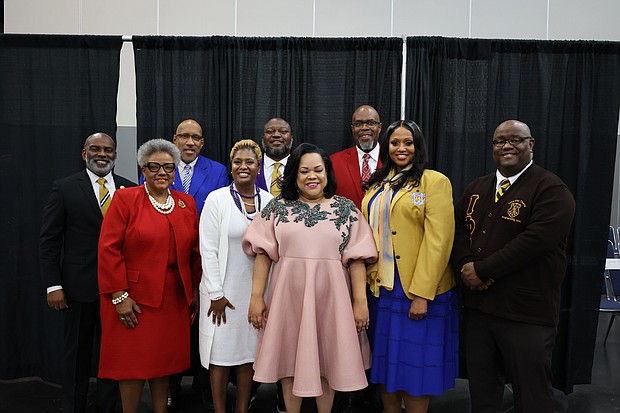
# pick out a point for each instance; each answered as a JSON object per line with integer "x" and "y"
{"x": 181, "y": 204}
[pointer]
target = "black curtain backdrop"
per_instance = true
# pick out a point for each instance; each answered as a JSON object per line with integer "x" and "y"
{"x": 568, "y": 92}
{"x": 54, "y": 92}
{"x": 232, "y": 86}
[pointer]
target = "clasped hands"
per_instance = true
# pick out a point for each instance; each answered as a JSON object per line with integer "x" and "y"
{"x": 471, "y": 280}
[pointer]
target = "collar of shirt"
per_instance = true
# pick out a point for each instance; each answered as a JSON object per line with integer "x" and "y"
{"x": 109, "y": 183}
{"x": 182, "y": 165}
{"x": 499, "y": 177}
{"x": 374, "y": 158}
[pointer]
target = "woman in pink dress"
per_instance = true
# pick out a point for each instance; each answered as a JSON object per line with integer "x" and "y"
{"x": 313, "y": 323}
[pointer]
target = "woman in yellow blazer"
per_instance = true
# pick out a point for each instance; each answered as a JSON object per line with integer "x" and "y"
{"x": 414, "y": 317}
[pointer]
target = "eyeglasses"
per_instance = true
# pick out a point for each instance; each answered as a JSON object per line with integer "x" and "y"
{"x": 155, "y": 167}
{"x": 370, "y": 123}
{"x": 498, "y": 143}
{"x": 186, "y": 136}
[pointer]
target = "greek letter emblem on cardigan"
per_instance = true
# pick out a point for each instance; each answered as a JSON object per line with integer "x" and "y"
{"x": 470, "y": 222}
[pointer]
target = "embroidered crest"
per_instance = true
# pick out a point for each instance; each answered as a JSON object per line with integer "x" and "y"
{"x": 419, "y": 198}
{"x": 515, "y": 207}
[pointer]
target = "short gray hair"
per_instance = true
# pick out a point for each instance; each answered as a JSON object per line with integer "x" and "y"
{"x": 148, "y": 148}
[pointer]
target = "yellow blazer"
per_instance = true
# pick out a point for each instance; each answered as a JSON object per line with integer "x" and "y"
{"x": 422, "y": 226}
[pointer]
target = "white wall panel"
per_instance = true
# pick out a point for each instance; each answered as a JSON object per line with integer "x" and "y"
{"x": 579, "y": 19}
{"x": 119, "y": 16}
{"x": 196, "y": 17}
{"x": 42, "y": 17}
{"x": 274, "y": 18}
{"x": 448, "y": 18}
{"x": 509, "y": 19}
{"x": 353, "y": 18}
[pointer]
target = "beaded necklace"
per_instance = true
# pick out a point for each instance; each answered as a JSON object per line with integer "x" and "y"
{"x": 236, "y": 195}
{"x": 165, "y": 208}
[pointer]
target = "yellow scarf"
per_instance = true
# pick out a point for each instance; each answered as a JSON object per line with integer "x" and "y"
{"x": 381, "y": 273}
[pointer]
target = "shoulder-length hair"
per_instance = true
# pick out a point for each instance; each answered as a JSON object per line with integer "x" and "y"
{"x": 289, "y": 184}
{"x": 420, "y": 158}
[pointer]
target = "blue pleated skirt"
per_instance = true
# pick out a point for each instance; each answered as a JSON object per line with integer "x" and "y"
{"x": 419, "y": 357}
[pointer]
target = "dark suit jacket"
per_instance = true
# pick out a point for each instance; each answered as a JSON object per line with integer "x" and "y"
{"x": 347, "y": 170}
{"x": 133, "y": 250}
{"x": 208, "y": 176}
{"x": 69, "y": 236}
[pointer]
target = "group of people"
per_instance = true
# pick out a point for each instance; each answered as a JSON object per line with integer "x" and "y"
{"x": 308, "y": 270}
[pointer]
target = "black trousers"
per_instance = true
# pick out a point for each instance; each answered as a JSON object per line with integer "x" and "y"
{"x": 497, "y": 349}
{"x": 82, "y": 337}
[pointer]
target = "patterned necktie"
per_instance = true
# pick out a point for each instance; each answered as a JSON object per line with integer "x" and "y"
{"x": 104, "y": 196}
{"x": 365, "y": 169}
{"x": 276, "y": 180}
{"x": 503, "y": 186}
{"x": 187, "y": 178}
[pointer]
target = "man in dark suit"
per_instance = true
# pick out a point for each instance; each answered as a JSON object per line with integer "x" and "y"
{"x": 277, "y": 144}
{"x": 196, "y": 176}
{"x": 353, "y": 166}
{"x": 509, "y": 246}
{"x": 70, "y": 230}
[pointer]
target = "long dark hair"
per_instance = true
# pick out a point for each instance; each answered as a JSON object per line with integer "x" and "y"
{"x": 420, "y": 158}
{"x": 289, "y": 184}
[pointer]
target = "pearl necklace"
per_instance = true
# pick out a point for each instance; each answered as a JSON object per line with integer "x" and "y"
{"x": 165, "y": 208}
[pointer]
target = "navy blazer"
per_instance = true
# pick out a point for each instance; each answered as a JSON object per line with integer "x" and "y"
{"x": 69, "y": 235}
{"x": 208, "y": 176}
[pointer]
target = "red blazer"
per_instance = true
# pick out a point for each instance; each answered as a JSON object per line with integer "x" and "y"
{"x": 347, "y": 170}
{"x": 134, "y": 241}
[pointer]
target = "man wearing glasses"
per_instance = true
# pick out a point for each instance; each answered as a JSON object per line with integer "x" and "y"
{"x": 509, "y": 247}
{"x": 354, "y": 166}
{"x": 197, "y": 176}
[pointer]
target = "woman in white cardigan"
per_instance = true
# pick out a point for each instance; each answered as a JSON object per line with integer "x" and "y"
{"x": 227, "y": 340}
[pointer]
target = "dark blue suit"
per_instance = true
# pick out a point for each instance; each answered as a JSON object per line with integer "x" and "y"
{"x": 260, "y": 177}
{"x": 208, "y": 176}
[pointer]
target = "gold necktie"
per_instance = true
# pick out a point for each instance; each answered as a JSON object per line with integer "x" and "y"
{"x": 503, "y": 186}
{"x": 104, "y": 196}
{"x": 276, "y": 180}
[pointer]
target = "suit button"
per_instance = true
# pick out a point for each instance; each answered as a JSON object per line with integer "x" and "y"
{"x": 490, "y": 215}
{"x": 478, "y": 249}
{"x": 393, "y": 232}
{"x": 397, "y": 257}
{"x": 484, "y": 231}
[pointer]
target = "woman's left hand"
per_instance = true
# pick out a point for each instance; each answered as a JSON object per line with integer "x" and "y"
{"x": 417, "y": 310}
{"x": 361, "y": 315}
{"x": 217, "y": 310}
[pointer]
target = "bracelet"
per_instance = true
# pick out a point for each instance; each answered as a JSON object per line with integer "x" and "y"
{"x": 120, "y": 298}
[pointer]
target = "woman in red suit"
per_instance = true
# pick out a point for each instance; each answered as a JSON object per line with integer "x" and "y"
{"x": 149, "y": 271}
